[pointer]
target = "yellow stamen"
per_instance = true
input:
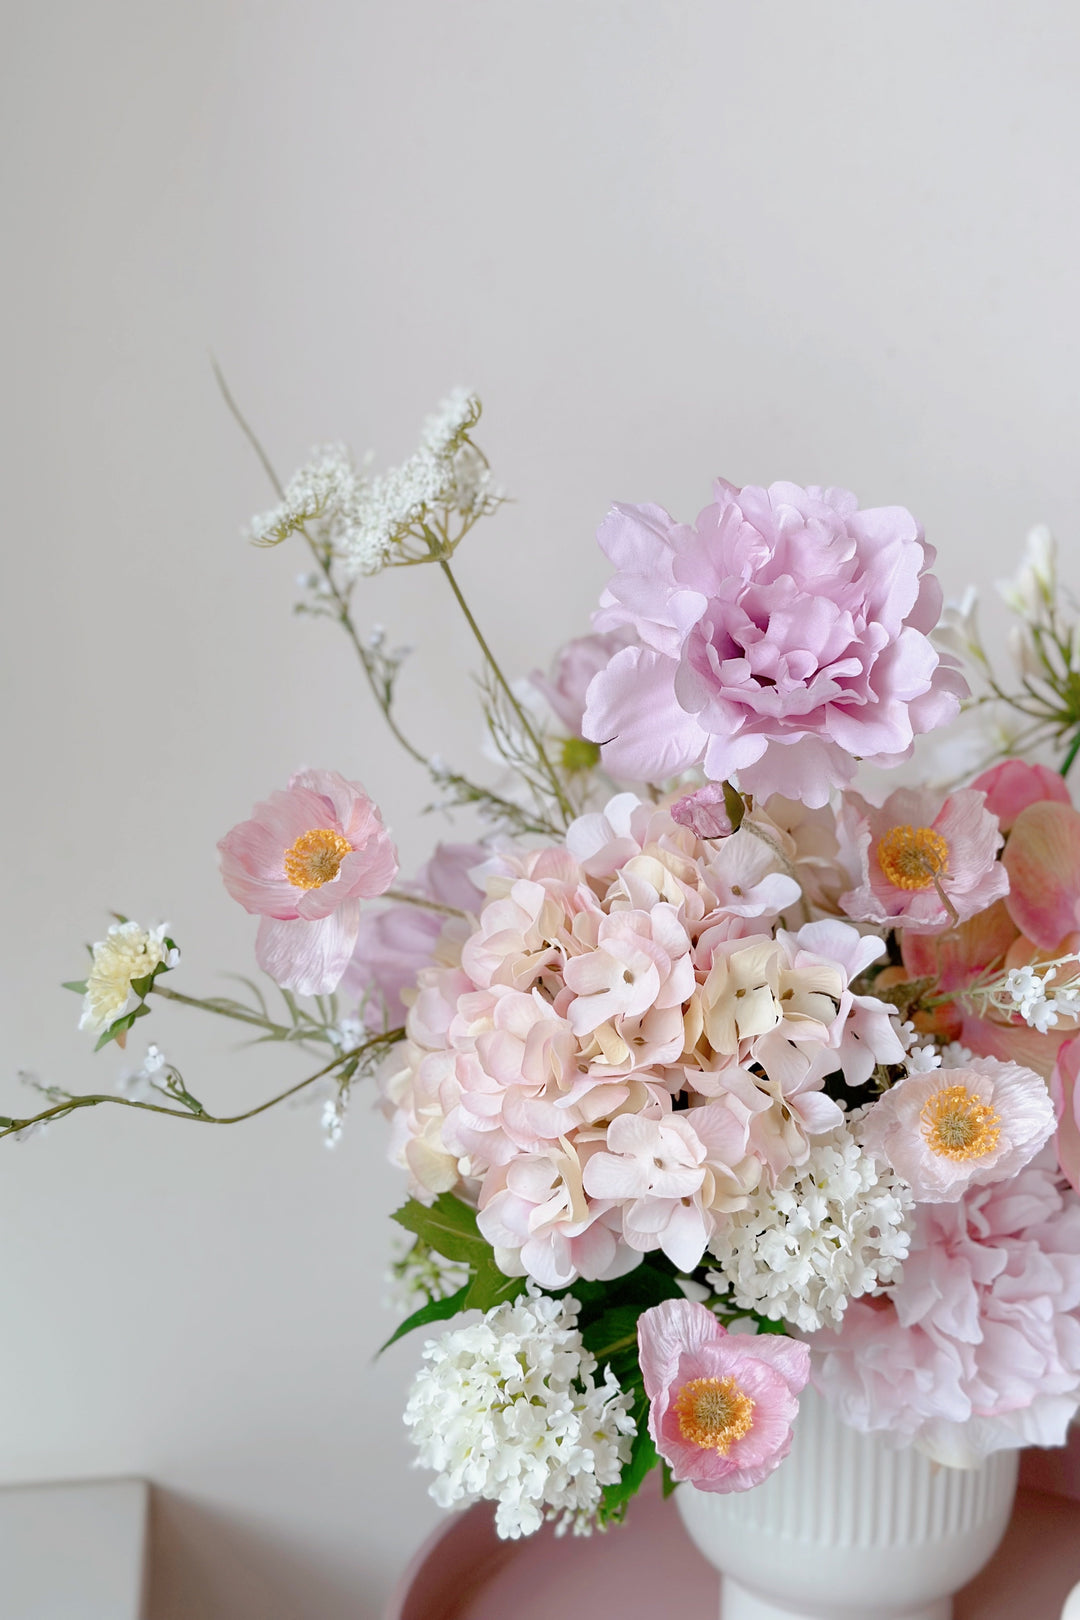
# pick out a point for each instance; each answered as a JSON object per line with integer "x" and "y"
{"x": 315, "y": 858}
{"x": 913, "y": 857}
{"x": 959, "y": 1125}
{"x": 713, "y": 1413}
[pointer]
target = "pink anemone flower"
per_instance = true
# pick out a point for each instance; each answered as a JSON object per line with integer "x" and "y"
{"x": 1014, "y": 784}
{"x": 721, "y": 1405}
{"x": 952, "y": 1129}
{"x": 926, "y": 864}
{"x": 303, "y": 863}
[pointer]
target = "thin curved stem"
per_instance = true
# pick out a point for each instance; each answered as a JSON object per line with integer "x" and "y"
{"x": 198, "y": 1115}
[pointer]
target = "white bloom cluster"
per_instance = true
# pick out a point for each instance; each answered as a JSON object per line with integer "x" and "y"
{"x": 363, "y": 519}
{"x": 922, "y": 1056}
{"x": 326, "y": 489}
{"x": 507, "y": 1410}
{"x": 127, "y": 952}
{"x": 835, "y": 1228}
{"x": 1040, "y": 1001}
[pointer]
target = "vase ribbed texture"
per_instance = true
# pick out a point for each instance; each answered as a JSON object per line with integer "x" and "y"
{"x": 851, "y": 1526}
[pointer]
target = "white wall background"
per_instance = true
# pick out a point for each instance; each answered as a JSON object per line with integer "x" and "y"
{"x": 831, "y": 242}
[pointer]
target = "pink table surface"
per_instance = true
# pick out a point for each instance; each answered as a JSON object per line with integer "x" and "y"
{"x": 649, "y": 1567}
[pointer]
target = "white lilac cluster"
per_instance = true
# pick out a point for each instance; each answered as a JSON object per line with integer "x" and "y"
{"x": 1042, "y": 1003}
{"x": 507, "y": 1410}
{"x": 128, "y": 952}
{"x": 833, "y": 1229}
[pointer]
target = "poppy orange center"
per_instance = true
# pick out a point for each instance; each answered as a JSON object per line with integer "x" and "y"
{"x": 315, "y": 858}
{"x": 913, "y": 857}
{"x": 713, "y": 1413}
{"x": 959, "y": 1125}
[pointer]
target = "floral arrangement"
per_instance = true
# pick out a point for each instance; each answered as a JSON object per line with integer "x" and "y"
{"x": 710, "y": 1073}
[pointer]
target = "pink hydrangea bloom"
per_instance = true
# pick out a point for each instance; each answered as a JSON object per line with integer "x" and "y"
{"x": 1014, "y": 784}
{"x": 704, "y": 812}
{"x": 392, "y": 945}
{"x": 721, "y": 1405}
{"x": 927, "y": 864}
{"x": 303, "y": 863}
{"x": 627, "y": 1044}
{"x": 783, "y": 635}
{"x": 977, "y": 1347}
{"x": 571, "y": 672}
{"x": 952, "y": 1129}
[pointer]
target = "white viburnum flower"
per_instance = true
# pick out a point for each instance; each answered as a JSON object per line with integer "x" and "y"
{"x": 127, "y": 952}
{"x": 508, "y": 1410}
{"x": 833, "y": 1229}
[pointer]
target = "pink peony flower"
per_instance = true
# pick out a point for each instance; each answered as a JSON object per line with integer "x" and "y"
{"x": 952, "y": 1129}
{"x": 704, "y": 812}
{"x": 926, "y": 865}
{"x": 781, "y": 637}
{"x": 571, "y": 672}
{"x": 303, "y": 863}
{"x": 977, "y": 1347}
{"x": 1066, "y": 1098}
{"x": 392, "y": 945}
{"x": 721, "y": 1405}
{"x": 1014, "y": 784}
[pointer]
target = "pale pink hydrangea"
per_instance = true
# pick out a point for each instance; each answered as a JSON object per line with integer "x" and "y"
{"x": 721, "y": 1405}
{"x": 629, "y": 1045}
{"x": 951, "y": 1129}
{"x": 303, "y": 862}
{"x": 780, "y": 638}
{"x": 926, "y": 863}
{"x": 977, "y": 1347}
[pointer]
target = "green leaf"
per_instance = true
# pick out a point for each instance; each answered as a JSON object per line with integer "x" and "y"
{"x": 669, "y": 1484}
{"x": 78, "y": 985}
{"x": 449, "y": 1227}
{"x": 436, "y": 1310}
{"x": 735, "y": 805}
{"x": 490, "y": 1287}
{"x": 120, "y": 1026}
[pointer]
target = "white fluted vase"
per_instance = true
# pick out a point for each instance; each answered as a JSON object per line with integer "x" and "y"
{"x": 850, "y": 1528}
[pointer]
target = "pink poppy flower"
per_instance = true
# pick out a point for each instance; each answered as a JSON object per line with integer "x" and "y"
{"x": 303, "y": 863}
{"x": 926, "y": 865}
{"x": 951, "y": 1129}
{"x": 783, "y": 635}
{"x": 1014, "y": 784}
{"x": 1042, "y": 859}
{"x": 721, "y": 1405}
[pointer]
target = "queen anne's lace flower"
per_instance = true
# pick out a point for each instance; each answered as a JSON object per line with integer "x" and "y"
{"x": 508, "y": 1410}
{"x": 826, "y": 1233}
{"x": 127, "y": 952}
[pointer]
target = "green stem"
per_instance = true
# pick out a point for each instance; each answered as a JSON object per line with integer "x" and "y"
{"x": 1074, "y": 749}
{"x": 403, "y": 898}
{"x": 199, "y": 1116}
{"x": 523, "y": 719}
{"x": 241, "y": 1015}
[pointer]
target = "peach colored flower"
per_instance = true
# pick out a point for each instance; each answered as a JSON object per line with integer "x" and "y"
{"x": 1014, "y": 784}
{"x": 721, "y": 1405}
